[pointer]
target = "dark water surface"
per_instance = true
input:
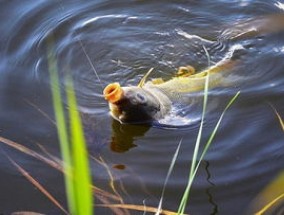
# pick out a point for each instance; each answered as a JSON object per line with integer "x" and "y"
{"x": 123, "y": 40}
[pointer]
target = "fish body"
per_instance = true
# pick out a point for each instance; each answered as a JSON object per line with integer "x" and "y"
{"x": 195, "y": 82}
{"x": 152, "y": 100}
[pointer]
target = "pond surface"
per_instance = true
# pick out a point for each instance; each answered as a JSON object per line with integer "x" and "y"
{"x": 100, "y": 42}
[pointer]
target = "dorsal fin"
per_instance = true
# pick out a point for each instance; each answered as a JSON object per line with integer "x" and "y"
{"x": 143, "y": 80}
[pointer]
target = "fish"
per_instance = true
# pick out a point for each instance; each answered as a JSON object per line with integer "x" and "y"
{"x": 152, "y": 100}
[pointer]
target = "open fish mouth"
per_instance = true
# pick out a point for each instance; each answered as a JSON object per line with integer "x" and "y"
{"x": 113, "y": 92}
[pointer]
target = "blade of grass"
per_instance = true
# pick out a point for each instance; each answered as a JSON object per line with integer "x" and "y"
{"x": 138, "y": 208}
{"x": 48, "y": 154}
{"x": 195, "y": 167}
{"x": 281, "y": 121}
{"x": 81, "y": 171}
{"x": 31, "y": 153}
{"x": 102, "y": 162}
{"x": 159, "y": 210}
{"x": 191, "y": 179}
{"x": 40, "y": 111}
{"x": 37, "y": 185}
{"x": 76, "y": 166}
{"x": 53, "y": 164}
{"x": 196, "y": 148}
{"x": 198, "y": 139}
{"x": 144, "y": 207}
{"x": 270, "y": 198}
{"x": 61, "y": 126}
{"x": 270, "y": 204}
{"x": 207, "y": 55}
{"x": 216, "y": 128}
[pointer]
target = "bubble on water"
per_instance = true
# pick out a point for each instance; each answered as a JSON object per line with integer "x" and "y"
{"x": 178, "y": 117}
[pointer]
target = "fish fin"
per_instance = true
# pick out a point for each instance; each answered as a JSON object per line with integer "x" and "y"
{"x": 157, "y": 81}
{"x": 202, "y": 74}
{"x": 143, "y": 80}
{"x": 185, "y": 71}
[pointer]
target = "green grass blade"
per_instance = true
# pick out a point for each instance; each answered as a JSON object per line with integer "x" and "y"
{"x": 81, "y": 173}
{"x": 281, "y": 121}
{"x": 196, "y": 149}
{"x": 61, "y": 126}
{"x": 207, "y": 55}
{"x": 197, "y": 144}
{"x": 210, "y": 140}
{"x": 216, "y": 128}
{"x": 76, "y": 166}
{"x": 167, "y": 178}
{"x": 194, "y": 166}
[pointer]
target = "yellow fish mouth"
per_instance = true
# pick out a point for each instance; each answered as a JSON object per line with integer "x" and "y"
{"x": 113, "y": 92}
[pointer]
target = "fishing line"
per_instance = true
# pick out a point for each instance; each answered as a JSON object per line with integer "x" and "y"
{"x": 90, "y": 62}
{"x": 85, "y": 53}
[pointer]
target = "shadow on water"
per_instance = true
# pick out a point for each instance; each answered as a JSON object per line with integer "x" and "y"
{"x": 123, "y": 136}
{"x": 208, "y": 190}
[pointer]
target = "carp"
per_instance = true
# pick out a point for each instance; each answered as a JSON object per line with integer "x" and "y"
{"x": 152, "y": 100}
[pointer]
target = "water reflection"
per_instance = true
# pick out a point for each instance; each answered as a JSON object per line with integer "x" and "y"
{"x": 123, "y": 135}
{"x": 209, "y": 190}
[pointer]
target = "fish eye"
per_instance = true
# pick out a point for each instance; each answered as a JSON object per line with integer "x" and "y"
{"x": 140, "y": 97}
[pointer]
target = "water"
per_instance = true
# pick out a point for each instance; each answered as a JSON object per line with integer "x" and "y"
{"x": 123, "y": 40}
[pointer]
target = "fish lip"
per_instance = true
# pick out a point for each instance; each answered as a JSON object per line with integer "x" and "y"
{"x": 115, "y": 117}
{"x": 113, "y": 92}
{"x": 114, "y": 111}
{"x": 121, "y": 118}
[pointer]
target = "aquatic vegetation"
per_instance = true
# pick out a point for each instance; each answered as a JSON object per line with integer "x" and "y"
{"x": 104, "y": 196}
{"x": 167, "y": 178}
{"x": 38, "y": 185}
{"x": 272, "y": 196}
{"x": 142, "y": 208}
{"x": 195, "y": 163}
{"x": 280, "y": 119}
{"x": 73, "y": 149}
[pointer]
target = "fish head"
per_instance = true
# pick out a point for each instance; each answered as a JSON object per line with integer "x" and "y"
{"x": 132, "y": 104}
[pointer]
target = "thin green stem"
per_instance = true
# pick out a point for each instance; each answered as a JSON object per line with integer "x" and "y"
{"x": 61, "y": 126}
